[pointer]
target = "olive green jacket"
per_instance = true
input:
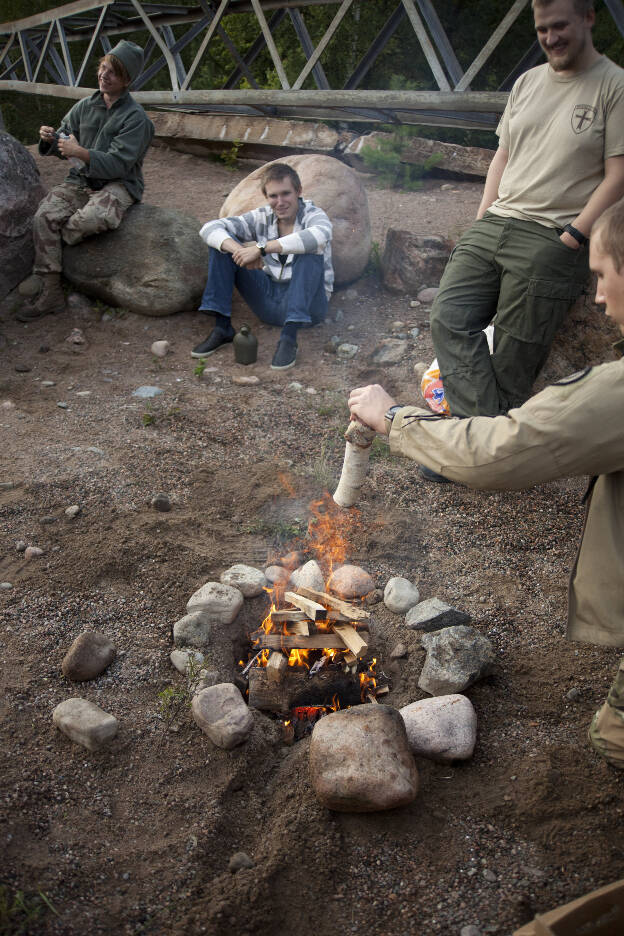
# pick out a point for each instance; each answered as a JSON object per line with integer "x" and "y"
{"x": 575, "y": 427}
{"x": 117, "y": 140}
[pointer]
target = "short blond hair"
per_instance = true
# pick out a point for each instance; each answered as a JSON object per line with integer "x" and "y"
{"x": 608, "y": 231}
{"x": 581, "y": 7}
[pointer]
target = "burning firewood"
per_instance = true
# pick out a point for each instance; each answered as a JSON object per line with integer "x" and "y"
{"x": 297, "y": 688}
{"x": 351, "y": 639}
{"x": 327, "y": 641}
{"x": 350, "y": 612}
{"x": 288, "y": 616}
{"x": 357, "y": 453}
{"x": 276, "y": 667}
{"x": 314, "y": 610}
{"x": 299, "y": 627}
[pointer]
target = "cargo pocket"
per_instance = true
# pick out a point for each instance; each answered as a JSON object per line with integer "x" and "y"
{"x": 546, "y": 305}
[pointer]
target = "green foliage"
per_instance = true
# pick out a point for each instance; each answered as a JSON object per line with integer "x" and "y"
{"x": 279, "y": 532}
{"x": 19, "y": 911}
{"x": 147, "y": 417}
{"x": 199, "y": 368}
{"x": 175, "y": 700}
{"x": 385, "y": 159}
{"x": 230, "y": 156}
{"x": 373, "y": 267}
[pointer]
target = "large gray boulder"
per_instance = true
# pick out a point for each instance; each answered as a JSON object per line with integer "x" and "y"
{"x": 360, "y": 760}
{"x": 456, "y": 658}
{"x": 20, "y": 193}
{"x": 221, "y": 713}
{"x": 155, "y": 263}
{"x": 336, "y": 189}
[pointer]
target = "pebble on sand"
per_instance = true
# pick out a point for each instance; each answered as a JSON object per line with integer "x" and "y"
{"x": 160, "y": 348}
{"x": 85, "y": 723}
{"x": 32, "y": 552}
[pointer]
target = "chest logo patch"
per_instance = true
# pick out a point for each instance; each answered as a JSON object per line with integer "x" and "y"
{"x": 583, "y": 117}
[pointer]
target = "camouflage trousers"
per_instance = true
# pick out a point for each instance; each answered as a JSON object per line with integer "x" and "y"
{"x": 606, "y": 731}
{"x": 68, "y": 213}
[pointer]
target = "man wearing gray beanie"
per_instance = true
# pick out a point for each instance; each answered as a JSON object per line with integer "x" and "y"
{"x": 104, "y": 137}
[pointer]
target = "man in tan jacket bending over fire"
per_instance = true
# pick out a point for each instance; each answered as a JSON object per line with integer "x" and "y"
{"x": 575, "y": 427}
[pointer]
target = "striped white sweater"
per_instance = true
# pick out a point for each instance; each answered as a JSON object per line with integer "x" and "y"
{"x": 312, "y": 233}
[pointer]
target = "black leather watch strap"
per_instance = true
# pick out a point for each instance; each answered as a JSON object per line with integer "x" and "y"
{"x": 576, "y": 234}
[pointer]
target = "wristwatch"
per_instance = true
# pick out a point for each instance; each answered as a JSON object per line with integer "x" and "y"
{"x": 389, "y": 416}
{"x": 576, "y": 234}
{"x": 261, "y": 245}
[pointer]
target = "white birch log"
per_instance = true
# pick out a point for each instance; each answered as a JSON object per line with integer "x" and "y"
{"x": 355, "y": 466}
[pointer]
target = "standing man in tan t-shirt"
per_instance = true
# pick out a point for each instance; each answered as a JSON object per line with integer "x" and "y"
{"x": 523, "y": 263}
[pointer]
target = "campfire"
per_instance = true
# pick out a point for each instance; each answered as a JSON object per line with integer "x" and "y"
{"x": 312, "y": 653}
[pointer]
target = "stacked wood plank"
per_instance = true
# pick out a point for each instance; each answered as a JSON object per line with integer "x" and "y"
{"x": 316, "y": 621}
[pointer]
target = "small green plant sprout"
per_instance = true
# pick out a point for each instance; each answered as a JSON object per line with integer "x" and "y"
{"x": 174, "y": 700}
{"x": 19, "y": 912}
{"x": 200, "y": 368}
{"x": 147, "y": 417}
{"x": 373, "y": 267}
{"x": 230, "y": 156}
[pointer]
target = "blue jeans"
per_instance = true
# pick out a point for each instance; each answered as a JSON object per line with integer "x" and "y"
{"x": 301, "y": 300}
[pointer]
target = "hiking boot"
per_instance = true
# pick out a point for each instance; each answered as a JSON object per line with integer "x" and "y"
{"x": 215, "y": 340}
{"x": 285, "y": 355}
{"x": 51, "y": 300}
{"x": 429, "y": 475}
{"x": 30, "y": 287}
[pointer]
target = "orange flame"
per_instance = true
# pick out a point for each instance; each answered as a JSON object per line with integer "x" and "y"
{"x": 299, "y": 658}
{"x": 330, "y": 529}
{"x": 286, "y": 483}
{"x": 368, "y": 682}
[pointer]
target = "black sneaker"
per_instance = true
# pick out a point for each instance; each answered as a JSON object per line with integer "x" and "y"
{"x": 215, "y": 340}
{"x": 429, "y": 475}
{"x": 285, "y": 355}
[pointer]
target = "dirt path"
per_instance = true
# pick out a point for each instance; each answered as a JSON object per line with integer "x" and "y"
{"x": 137, "y": 839}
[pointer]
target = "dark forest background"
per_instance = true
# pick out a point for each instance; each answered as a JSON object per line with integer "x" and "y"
{"x": 468, "y": 24}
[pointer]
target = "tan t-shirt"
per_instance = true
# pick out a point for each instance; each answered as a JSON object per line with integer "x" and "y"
{"x": 558, "y": 132}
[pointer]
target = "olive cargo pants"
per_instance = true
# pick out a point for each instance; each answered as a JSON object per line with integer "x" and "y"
{"x": 522, "y": 278}
{"x": 606, "y": 731}
{"x": 71, "y": 212}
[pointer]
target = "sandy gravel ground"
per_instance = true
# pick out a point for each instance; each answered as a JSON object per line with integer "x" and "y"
{"x": 137, "y": 838}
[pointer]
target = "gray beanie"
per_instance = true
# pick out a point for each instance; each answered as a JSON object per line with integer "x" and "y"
{"x": 130, "y": 55}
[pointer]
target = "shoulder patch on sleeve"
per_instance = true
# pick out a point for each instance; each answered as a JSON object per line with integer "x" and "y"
{"x": 572, "y": 378}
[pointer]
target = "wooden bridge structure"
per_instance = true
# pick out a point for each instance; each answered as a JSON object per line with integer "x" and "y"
{"x": 55, "y": 53}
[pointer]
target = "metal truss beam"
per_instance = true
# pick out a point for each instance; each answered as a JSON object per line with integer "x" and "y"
{"x": 42, "y": 45}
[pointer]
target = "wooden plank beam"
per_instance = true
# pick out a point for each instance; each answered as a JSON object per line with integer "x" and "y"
{"x": 352, "y": 612}
{"x": 276, "y": 667}
{"x": 408, "y": 102}
{"x": 281, "y": 617}
{"x": 326, "y": 641}
{"x": 353, "y": 640}
{"x": 313, "y": 610}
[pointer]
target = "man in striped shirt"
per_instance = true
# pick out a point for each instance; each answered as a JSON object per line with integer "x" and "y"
{"x": 279, "y": 259}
